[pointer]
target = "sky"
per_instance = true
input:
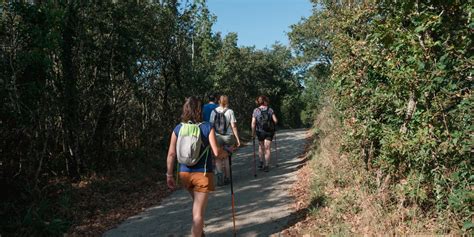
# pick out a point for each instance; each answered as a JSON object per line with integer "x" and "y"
{"x": 258, "y": 22}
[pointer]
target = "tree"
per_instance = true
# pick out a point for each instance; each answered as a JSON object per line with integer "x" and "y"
{"x": 403, "y": 86}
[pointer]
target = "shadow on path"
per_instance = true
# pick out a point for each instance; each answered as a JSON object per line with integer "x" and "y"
{"x": 263, "y": 204}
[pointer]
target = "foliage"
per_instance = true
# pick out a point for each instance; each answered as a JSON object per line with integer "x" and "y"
{"x": 403, "y": 76}
{"x": 92, "y": 86}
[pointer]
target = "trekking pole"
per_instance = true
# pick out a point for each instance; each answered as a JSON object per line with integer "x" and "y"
{"x": 254, "y": 160}
{"x": 232, "y": 190}
{"x": 276, "y": 150}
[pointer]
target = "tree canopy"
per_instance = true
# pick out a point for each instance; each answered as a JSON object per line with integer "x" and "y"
{"x": 89, "y": 86}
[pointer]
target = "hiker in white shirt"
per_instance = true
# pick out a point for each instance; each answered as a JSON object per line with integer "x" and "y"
{"x": 225, "y": 125}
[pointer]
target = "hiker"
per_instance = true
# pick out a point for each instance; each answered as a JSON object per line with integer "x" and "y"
{"x": 206, "y": 113}
{"x": 191, "y": 142}
{"x": 209, "y": 107}
{"x": 225, "y": 125}
{"x": 263, "y": 126}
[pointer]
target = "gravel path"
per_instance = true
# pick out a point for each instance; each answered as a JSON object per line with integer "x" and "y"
{"x": 263, "y": 204}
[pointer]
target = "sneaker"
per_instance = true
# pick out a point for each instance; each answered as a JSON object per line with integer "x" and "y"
{"x": 266, "y": 168}
{"x": 226, "y": 181}
{"x": 260, "y": 165}
{"x": 220, "y": 179}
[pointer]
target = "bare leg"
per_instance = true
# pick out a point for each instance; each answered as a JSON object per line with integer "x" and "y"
{"x": 199, "y": 209}
{"x": 261, "y": 150}
{"x": 219, "y": 164}
{"x": 225, "y": 163}
{"x": 268, "y": 144}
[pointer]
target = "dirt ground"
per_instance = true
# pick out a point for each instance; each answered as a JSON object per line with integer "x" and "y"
{"x": 263, "y": 204}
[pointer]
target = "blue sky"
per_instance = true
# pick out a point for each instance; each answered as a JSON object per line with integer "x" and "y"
{"x": 258, "y": 22}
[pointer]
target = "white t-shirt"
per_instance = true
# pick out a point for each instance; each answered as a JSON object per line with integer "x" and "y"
{"x": 229, "y": 118}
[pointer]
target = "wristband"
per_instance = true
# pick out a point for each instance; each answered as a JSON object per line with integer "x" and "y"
{"x": 169, "y": 175}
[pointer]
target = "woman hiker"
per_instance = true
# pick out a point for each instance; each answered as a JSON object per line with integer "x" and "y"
{"x": 198, "y": 178}
{"x": 225, "y": 125}
{"x": 263, "y": 126}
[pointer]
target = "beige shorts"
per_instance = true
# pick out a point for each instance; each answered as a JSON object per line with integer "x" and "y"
{"x": 225, "y": 140}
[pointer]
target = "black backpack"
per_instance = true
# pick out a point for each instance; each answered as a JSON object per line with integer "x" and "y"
{"x": 265, "y": 121}
{"x": 220, "y": 123}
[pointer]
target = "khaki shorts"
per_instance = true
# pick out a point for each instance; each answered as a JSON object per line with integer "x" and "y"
{"x": 225, "y": 140}
{"x": 197, "y": 181}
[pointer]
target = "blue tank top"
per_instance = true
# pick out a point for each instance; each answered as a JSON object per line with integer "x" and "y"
{"x": 205, "y": 163}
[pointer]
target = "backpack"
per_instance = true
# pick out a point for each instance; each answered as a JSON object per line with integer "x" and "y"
{"x": 220, "y": 123}
{"x": 265, "y": 121}
{"x": 189, "y": 144}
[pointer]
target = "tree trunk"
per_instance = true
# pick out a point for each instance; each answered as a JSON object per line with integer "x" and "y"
{"x": 70, "y": 101}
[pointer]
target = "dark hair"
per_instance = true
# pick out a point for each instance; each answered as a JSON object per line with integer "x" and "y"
{"x": 192, "y": 110}
{"x": 212, "y": 97}
{"x": 262, "y": 100}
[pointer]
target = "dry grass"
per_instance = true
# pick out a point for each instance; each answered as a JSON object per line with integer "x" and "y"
{"x": 340, "y": 197}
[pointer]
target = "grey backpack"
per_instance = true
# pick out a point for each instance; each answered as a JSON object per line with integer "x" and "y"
{"x": 188, "y": 146}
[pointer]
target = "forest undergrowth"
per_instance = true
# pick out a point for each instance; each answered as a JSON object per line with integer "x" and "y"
{"x": 339, "y": 196}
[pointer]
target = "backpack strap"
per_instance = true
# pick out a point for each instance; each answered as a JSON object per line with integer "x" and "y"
{"x": 205, "y": 153}
{"x": 270, "y": 112}
{"x": 223, "y": 112}
{"x": 215, "y": 114}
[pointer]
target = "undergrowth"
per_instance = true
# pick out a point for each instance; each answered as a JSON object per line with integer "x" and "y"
{"x": 347, "y": 198}
{"x": 86, "y": 208}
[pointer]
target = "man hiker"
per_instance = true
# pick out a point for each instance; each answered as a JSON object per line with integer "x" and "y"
{"x": 206, "y": 112}
{"x": 192, "y": 142}
{"x": 263, "y": 126}
{"x": 225, "y": 125}
{"x": 209, "y": 107}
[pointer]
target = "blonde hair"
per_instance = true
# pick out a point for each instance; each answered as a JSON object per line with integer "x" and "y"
{"x": 224, "y": 101}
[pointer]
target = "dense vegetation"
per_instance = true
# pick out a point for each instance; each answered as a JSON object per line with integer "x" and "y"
{"x": 88, "y": 87}
{"x": 91, "y": 87}
{"x": 400, "y": 75}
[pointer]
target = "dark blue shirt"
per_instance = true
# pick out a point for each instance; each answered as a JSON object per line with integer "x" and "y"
{"x": 205, "y": 163}
{"x": 207, "y": 110}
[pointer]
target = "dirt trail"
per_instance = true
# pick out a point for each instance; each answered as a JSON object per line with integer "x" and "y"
{"x": 263, "y": 204}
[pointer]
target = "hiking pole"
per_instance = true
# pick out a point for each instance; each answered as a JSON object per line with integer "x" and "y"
{"x": 276, "y": 150}
{"x": 254, "y": 160}
{"x": 232, "y": 190}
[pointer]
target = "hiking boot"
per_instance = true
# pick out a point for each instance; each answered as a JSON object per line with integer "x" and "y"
{"x": 226, "y": 181}
{"x": 260, "y": 165}
{"x": 266, "y": 168}
{"x": 220, "y": 179}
